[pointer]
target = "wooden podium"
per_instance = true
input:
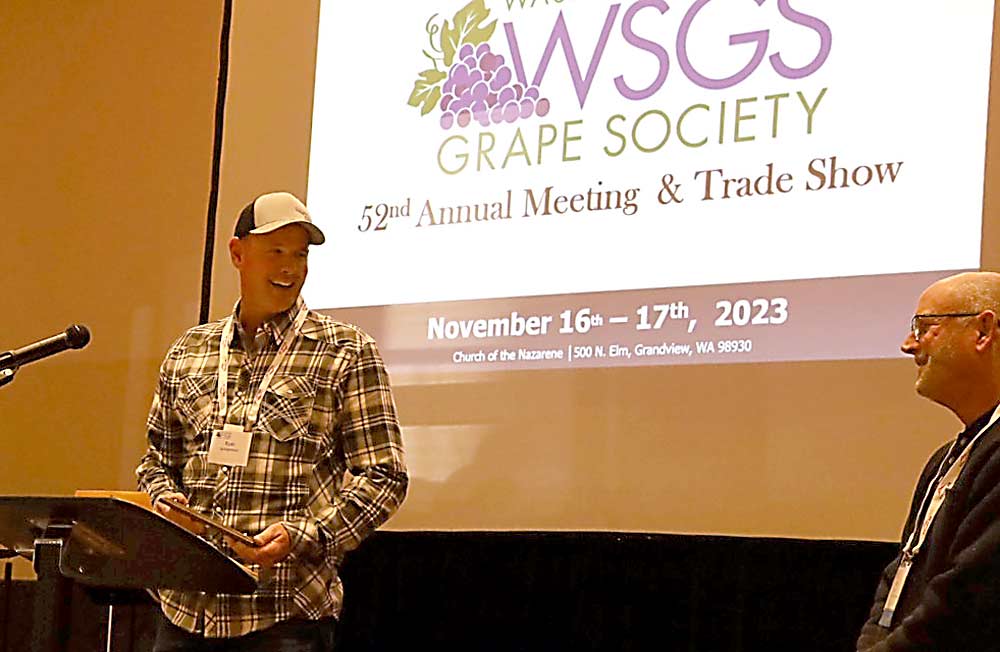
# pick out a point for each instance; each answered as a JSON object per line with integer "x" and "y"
{"x": 109, "y": 543}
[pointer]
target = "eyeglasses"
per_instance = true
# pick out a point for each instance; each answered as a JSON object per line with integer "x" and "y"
{"x": 917, "y": 328}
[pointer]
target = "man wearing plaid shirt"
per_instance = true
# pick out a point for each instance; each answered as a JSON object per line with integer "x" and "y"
{"x": 255, "y": 420}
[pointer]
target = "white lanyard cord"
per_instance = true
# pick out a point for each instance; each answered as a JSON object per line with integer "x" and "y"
{"x": 936, "y": 494}
{"x": 943, "y": 485}
{"x": 253, "y": 410}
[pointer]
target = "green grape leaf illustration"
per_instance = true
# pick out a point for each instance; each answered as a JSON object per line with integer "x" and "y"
{"x": 427, "y": 90}
{"x": 466, "y": 27}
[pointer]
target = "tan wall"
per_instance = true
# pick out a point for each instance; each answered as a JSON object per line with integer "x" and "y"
{"x": 106, "y": 139}
{"x": 268, "y": 117}
{"x": 105, "y": 154}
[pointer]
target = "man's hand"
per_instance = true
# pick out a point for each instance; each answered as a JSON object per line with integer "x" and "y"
{"x": 164, "y": 508}
{"x": 273, "y": 545}
{"x": 188, "y": 524}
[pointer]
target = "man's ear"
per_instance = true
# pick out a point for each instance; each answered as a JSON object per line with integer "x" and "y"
{"x": 986, "y": 329}
{"x": 236, "y": 247}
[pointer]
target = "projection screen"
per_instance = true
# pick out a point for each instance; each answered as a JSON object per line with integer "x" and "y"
{"x": 587, "y": 184}
{"x": 669, "y": 298}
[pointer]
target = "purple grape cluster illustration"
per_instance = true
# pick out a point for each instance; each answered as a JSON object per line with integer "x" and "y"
{"x": 480, "y": 87}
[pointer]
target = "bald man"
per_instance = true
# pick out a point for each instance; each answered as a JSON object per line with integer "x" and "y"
{"x": 942, "y": 592}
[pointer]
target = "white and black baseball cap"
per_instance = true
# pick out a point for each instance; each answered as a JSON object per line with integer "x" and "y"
{"x": 274, "y": 210}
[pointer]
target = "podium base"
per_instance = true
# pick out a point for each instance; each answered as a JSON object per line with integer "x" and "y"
{"x": 51, "y": 616}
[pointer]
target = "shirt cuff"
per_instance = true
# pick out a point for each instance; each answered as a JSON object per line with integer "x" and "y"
{"x": 305, "y": 538}
{"x": 157, "y": 490}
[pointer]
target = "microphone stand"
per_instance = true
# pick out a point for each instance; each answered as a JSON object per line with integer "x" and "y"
{"x": 7, "y": 369}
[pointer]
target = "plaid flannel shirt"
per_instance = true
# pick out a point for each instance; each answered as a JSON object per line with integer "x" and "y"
{"x": 329, "y": 409}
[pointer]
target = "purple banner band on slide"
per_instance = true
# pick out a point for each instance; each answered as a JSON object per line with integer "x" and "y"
{"x": 813, "y": 319}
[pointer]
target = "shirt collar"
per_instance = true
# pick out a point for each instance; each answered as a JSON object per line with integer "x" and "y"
{"x": 277, "y": 326}
{"x": 973, "y": 428}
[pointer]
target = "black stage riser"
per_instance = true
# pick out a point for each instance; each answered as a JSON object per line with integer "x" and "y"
{"x": 544, "y": 591}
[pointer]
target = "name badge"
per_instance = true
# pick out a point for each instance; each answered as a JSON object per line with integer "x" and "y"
{"x": 230, "y": 446}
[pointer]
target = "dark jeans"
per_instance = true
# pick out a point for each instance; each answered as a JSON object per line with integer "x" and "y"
{"x": 289, "y": 636}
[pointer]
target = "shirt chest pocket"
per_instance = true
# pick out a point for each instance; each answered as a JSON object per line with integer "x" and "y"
{"x": 196, "y": 401}
{"x": 287, "y": 409}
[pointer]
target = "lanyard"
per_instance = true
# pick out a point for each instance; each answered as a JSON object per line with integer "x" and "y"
{"x": 250, "y": 417}
{"x": 937, "y": 493}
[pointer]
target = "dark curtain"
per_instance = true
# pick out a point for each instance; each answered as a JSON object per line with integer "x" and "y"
{"x": 544, "y": 591}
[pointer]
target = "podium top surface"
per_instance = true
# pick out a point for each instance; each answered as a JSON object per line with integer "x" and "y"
{"x": 110, "y": 542}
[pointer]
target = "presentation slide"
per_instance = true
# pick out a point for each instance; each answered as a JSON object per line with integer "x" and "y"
{"x": 518, "y": 184}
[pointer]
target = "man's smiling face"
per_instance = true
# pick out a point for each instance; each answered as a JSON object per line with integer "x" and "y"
{"x": 944, "y": 352}
{"x": 273, "y": 266}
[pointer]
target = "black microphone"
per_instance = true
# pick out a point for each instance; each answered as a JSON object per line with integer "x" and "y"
{"x": 75, "y": 337}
